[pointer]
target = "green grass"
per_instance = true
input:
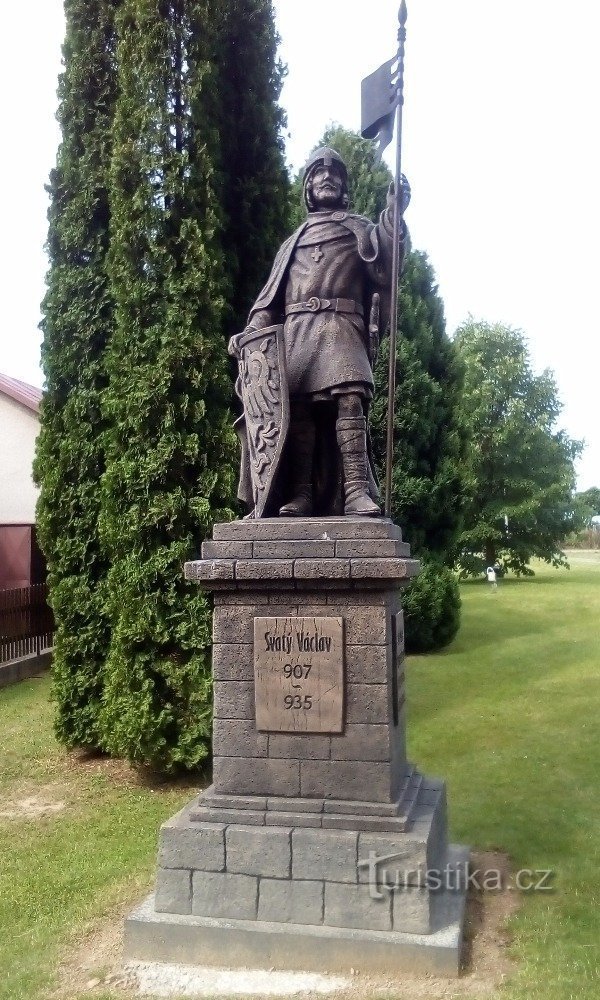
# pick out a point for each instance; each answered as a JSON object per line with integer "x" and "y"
{"x": 508, "y": 715}
{"x": 59, "y": 872}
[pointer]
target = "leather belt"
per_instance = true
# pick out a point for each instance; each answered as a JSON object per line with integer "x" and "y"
{"x": 315, "y": 305}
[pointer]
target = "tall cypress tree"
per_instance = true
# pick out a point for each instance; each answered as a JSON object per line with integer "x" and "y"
{"x": 254, "y": 189}
{"x": 77, "y": 325}
{"x": 170, "y": 445}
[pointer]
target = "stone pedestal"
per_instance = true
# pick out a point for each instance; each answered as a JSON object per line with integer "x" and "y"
{"x": 318, "y": 846}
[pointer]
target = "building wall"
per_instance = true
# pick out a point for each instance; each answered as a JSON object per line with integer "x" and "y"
{"x": 19, "y": 428}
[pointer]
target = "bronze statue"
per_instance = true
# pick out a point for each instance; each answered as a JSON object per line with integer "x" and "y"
{"x": 306, "y": 356}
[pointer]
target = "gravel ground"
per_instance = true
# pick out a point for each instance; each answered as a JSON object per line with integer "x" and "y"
{"x": 156, "y": 979}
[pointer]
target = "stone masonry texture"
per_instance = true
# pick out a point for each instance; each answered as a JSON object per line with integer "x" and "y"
{"x": 280, "y": 835}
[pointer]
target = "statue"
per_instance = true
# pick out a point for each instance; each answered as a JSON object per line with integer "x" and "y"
{"x": 306, "y": 356}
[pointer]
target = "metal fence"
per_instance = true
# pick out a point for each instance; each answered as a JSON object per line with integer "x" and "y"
{"x": 26, "y": 622}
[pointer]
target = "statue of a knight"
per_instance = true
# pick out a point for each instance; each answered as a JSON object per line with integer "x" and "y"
{"x": 306, "y": 356}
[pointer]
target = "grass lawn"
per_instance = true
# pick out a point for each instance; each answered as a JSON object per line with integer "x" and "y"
{"x": 508, "y": 715}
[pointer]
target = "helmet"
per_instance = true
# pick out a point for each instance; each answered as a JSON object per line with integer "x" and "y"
{"x": 324, "y": 157}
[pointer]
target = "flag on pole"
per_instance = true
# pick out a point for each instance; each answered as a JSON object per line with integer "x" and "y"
{"x": 379, "y": 100}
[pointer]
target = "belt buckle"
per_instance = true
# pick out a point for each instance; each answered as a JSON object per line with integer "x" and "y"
{"x": 313, "y": 304}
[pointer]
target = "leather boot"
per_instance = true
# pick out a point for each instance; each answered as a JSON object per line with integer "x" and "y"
{"x": 352, "y": 440}
{"x": 301, "y": 446}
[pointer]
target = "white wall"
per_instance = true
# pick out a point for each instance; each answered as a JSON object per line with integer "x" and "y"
{"x": 19, "y": 428}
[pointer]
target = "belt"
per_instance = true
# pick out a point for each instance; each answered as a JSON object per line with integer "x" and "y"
{"x": 315, "y": 305}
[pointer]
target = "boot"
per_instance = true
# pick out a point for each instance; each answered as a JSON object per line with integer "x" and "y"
{"x": 301, "y": 446}
{"x": 352, "y": 440}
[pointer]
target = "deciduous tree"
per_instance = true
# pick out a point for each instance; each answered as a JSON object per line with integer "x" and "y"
{"x": 520, "y": 465}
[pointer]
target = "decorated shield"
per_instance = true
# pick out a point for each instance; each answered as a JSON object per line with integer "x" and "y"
{"x": 264, "y": 391}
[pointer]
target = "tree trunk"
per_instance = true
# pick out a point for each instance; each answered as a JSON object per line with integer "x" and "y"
{"x": 490, "y": 552}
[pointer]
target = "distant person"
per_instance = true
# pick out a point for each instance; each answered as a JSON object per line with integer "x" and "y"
{"x": 491, "y": 576}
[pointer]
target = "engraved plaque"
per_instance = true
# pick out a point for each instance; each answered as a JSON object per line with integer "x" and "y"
{"x": 299, "y": 674}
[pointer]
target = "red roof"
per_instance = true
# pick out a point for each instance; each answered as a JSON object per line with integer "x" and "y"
{"x": 26, "y": 394}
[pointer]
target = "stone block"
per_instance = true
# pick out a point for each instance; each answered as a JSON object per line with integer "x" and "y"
{"x": 410, "y": 855}
{"x": 234, "y": 623}
{"x": 305, "y": 549}
{"x": 383, "y": 569}
{"x": 295, "y": 805}
{"x": 226, "y": 550}
{"x": 173, "y": 891}
{"x": 367, "y": 664}
{"x": 282, "y": 609}
{"x": 288, "y": 901}
{"x": 365, "y": 625}
{"x": 322, "y": 569}
{"x": 292, "y": 528}
{"x": 306, "y": 597}
{"x": 273, "y": 818}
{"x": 392, "y": 859}
{"x": 412, "y": 910}
{"x": 224, "y": 895}
{"x": 299, "y": 745}
{"x": 186, "y": 844}
{"x": 205, "y": 570}
{"x": 233, "y": 661}
{"x": 352, "y": 906}
{"x": 369, "y": 823}
{"x": 371, "y": 548}
{"x": 357, "y": 597}
{"x": 232, "y": 598}
{"x": 362, "y": 742}
{"x": 234, "y": 700}
{"x": 327, "y": 855}
{"x": 360, "y": 808}
{"x": 368, "y": 703}
{"x": 339, "y": 779}
{"x": 256, "y": 776}
{"x": 259, "y": 851}
{"x": 264, "y": 569}
{"x": 210, "y": 797}
{"x": 238, "y": 738}
{"x": 214, "y": 814}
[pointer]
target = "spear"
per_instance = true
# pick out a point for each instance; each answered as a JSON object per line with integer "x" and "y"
{"x": 398, "y": 211}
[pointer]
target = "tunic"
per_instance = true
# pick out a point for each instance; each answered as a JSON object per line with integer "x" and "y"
{"x": 326, "y": 350}
{"x": 334, "y": 255}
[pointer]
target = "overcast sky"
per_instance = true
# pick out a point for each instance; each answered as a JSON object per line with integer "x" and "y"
{"x": 500, "y": 146}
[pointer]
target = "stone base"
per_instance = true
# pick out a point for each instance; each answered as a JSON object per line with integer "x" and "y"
{"x": 418, "y": 798}
{"x": 262, "y": 944}
{"x": 318, "y": 848}
{"x": 308, "y": 866}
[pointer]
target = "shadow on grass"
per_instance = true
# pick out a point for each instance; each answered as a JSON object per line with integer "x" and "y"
{"x": 121, "y": 773}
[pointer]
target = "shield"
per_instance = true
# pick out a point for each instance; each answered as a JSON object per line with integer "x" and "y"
{"x": 264, "y": 390}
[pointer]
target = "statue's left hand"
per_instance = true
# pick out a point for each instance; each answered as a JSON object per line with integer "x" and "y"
{"x": 233, "y": 346}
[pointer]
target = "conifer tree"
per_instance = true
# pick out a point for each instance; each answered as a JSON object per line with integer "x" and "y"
{"x": 254, "y": 187}
{"x": 77, "y": 325}
{"x": 170, "y": 451}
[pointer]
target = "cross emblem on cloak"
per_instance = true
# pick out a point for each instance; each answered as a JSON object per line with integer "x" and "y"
{"x": 317, "y": 254}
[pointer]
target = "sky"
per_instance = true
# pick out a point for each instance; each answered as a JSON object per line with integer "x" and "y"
{"x": 500, "y": 144}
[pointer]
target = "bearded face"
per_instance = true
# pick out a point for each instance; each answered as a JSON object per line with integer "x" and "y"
{"x": 326, "y": 188}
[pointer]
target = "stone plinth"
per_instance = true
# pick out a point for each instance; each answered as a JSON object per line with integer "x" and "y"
{"x": 315, "y": 824}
